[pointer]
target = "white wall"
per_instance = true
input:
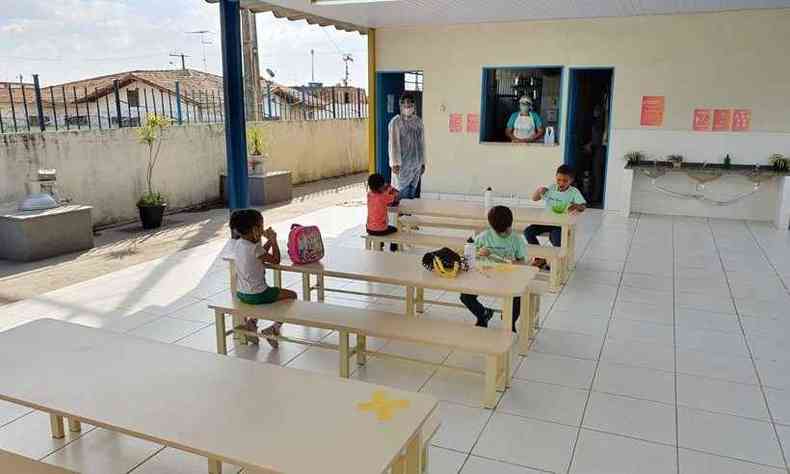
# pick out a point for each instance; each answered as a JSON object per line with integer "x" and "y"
{"x": 720, "y": 60}
{"x": 106, "y": 168}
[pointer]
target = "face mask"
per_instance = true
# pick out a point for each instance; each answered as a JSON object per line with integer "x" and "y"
{"x": 407, "y": 111}
{"x": 525, "y": 108}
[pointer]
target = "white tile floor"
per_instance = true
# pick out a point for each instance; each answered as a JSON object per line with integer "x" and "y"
{"x": 665, "y": 353}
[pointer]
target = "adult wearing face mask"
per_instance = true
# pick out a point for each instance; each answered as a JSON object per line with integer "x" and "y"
{"x": 407, "y": 149}
{"x": 524, "y": 126}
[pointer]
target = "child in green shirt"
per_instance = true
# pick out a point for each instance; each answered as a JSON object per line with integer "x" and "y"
{"x": 559, "y": 196}
{"x": 497, "y": 242}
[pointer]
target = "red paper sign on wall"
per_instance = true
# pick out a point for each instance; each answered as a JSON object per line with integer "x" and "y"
{"x": 741, "y": 120}
{"x": 472, "y": 123}
{"x": 702, "y": 120}
{"x": 652, "y": 111}
{"x": 456, "y": 123}
{"x": 722, "y": 118}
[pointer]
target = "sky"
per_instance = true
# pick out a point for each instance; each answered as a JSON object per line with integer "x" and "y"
{"x": 64, "y": 40}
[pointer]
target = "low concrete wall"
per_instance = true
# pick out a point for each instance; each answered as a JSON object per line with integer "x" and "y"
{"x": 106, "y": 168}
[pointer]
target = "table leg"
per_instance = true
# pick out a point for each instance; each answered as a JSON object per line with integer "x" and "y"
{"x": 362, "y": 346}
{"x": 571, "y": 250}
{"x": 566, "y": 246}
{"x": 306, "y": 286}
{"x": 368, "y": 244}
{"x": 56, "y": 425}
{"x": 219, "y": 326}
{"x": 489, "y": 392}
{"x": 214, "y": 466}
{"x": 420, "y": 300}
{"x": 508, "y": 313}
{"x": 344, "y": 350}
{"x": 278, "y": 278}
{"x": 500, "y": 374}
{"x": 413, "y": 455}
{"x": 410, "y": 301}
{"x": 74, "y": 425}
{"x": 320, "y": 284}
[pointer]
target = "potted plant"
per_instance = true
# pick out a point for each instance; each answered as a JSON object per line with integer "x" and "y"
{"x": 634, "y": 157}
{"x": 779, "y": 162}
{"x": 151, "y": 204}
{"x": 257, "y": 145}
{"x": 676, "y": 160}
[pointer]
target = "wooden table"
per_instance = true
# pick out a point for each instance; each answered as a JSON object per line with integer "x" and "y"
{"x": 11, "y": 463}
{"x": 406, "y": 270}
{"x": 262, "y": 417}
{"x": 475, "y": 211}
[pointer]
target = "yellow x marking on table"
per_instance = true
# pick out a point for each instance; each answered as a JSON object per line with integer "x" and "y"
{"x": 382, "y": 406}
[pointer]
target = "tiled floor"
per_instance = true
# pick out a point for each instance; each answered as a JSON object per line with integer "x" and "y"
{"x": 665, "y": 353}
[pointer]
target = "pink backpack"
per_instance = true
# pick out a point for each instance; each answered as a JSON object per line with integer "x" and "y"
{"x": 305, "y": 244}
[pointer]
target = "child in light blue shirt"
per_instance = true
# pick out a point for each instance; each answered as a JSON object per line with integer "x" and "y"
{"x": 560, "y": 197}
{"x": 499, "y": 241}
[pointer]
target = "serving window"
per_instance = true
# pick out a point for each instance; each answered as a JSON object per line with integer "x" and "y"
{"x": 506, "y": 89}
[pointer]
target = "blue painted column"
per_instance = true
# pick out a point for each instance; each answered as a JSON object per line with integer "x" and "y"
{"x": 235, "y": 126}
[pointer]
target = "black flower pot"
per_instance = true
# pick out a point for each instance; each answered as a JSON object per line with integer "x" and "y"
{"x": 151, "y": 216}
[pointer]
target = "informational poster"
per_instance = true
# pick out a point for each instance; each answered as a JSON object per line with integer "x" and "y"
{"x": 472, "y": 123}
{"x": 722, "y": 120}
{"x": 702, "y": 120}
{"x": 456, "y": 123}
{"x": 741, "y": 120}
{"x": 652, "y": 111}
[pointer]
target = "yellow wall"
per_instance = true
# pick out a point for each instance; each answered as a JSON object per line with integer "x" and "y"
{"x": 729, "y": 60}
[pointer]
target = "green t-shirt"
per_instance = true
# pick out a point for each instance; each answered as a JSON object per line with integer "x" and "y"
{"x": 556, "y": 197}
{"x": 511, "y": 247}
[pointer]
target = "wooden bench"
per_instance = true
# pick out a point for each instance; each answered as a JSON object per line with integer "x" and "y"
{"x": 11, "y": 463}
{"x": 260, "y": 417}
{"x": 364, "y": 323}
{"x": 553, "y": 255}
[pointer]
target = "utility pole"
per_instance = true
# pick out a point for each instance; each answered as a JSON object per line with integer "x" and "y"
{"x": 347, "y": 58}
{"x": 183, "y": 60}
{"x": 252, "y": 73}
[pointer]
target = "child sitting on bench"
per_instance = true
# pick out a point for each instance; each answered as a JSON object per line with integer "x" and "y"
{"x": 559, "y": 197}
{"x": 250, "y": 256}
{"x": 380, "y": 197}
{"x": 498, "y": 243}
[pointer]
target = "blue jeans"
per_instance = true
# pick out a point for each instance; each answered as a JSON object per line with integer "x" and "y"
{"x": 412, "y": 191}
{"x": 532, "y": 232}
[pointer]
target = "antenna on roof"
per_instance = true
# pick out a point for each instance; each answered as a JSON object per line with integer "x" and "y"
{"x": 203, "y": 42}
{"x": 347, "y": 58}
{"x": 183, "y": 61}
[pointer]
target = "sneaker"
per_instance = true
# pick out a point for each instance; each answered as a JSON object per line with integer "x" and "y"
{"x": 483, "y": 322}
{"x": 538, "y": 262}
{"x": 271, "y": 334}
{"x": 252, "y": 326}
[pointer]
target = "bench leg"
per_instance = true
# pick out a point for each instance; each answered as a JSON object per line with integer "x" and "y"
{"x": 410, "y": 301}
{"x": 320, "y": 284}
{"x": 525, "y": 329}
{"x": 306, "y": 286}
{"x": 343, "y": 346}
{"x": 56, "y": 425}
{"x": 362, "y": 357}
{"x": 420, "y": 300}
{"x": 219, "y": 326}
{"x": 214, "y": 466}
{"x": 489, "y": 391}
{"x": 500, "y": 374}
{"x": 413, "y": 458}
{"x": 74, "y": 425}
{"x": 555, "y": 276}
{"x": 535, "y": 304}
{"x": 278, "y": 278}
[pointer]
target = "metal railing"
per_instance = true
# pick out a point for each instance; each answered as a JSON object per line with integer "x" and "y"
{"x": 30, "y": 108}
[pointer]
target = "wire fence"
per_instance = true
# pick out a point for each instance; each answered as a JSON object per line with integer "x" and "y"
{"x": 27, "y": 107}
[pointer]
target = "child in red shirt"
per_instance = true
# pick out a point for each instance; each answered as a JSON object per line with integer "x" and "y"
{"x": 380, "y": 196}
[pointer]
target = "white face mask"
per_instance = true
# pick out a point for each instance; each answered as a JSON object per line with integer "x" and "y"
{"x": 407, "y": 111}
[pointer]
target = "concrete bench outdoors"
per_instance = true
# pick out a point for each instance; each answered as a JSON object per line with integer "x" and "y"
{"x": 11, "y": 463}
{"x": 493, "y": 345}
{"x": 261, "y": 417}
{"x": 553, "y": 255}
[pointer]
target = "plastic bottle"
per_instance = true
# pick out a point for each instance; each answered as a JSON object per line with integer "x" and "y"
{"x": 470, "y": 253}
{"x": 487, "y": 198}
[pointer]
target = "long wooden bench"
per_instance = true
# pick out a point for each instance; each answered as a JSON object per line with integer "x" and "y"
{"x": 493, "y": 345}
{"x": 11, "y": 463}
{"x": 554, "y": 255}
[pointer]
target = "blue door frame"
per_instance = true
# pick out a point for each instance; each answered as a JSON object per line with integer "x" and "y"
{"x": 389, "y": 87}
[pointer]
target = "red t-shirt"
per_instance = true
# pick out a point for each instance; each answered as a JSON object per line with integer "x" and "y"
{"x": 377, "y": 208}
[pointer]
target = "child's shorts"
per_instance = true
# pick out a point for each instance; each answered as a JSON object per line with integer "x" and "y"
{"x": 266, "y": 297}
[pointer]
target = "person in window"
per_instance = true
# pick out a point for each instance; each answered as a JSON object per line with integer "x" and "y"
{"x": 524, "y": 126}
{"x": 407, "y": 149}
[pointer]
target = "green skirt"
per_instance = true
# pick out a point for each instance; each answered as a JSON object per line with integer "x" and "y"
{"x": 267, "y": 297}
